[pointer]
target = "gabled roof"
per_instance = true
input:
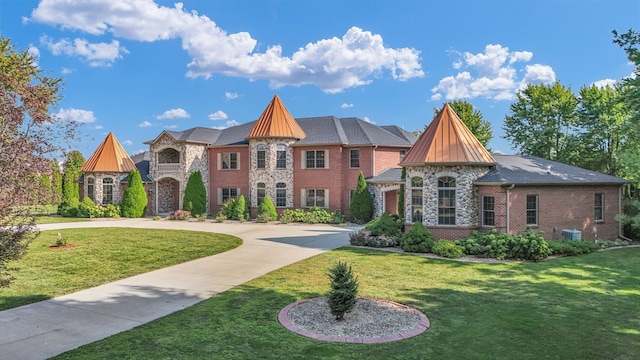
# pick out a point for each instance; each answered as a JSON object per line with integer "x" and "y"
{"x": 276, "y": 121}
{"x": 109, "y": 157}
{"x": 199, "y": 135}
{"x": 532, "y": 170}
{"x": 447, "y": 141}
{"x": 393, "y": 176}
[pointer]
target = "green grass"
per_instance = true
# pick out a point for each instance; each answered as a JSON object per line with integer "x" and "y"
{"x": 102, "y": 255}
{"x": 585, "y": 307}
{"x": 55, "y": 219}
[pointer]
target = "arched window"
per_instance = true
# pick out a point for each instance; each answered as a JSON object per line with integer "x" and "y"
{"x": 446, "y": 200}
{"x": 281, "y": 156}
{"x": 281, "y": 194}
{"x": 107, "y": 191}
{"x": 91, "y": 189}
{"x": 260, "y": 156}
{"x": 260, "y": 193}
{"x": 416, "y": 199}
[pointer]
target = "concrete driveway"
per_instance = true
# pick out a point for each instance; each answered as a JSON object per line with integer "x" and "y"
{"x": 48, "y": 328}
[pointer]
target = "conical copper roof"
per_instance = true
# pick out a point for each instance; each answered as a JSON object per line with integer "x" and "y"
{"x": 109, "y": 157}
{"x": 276, "y": 121}
{"x": 447, "y": 141}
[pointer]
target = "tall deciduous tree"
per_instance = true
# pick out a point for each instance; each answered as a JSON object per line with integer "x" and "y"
{"x": 541, "y": 122}
{"x": 473, "y": 119}
{"x": 29, "y": 138}
{"x": 602, "y": 120}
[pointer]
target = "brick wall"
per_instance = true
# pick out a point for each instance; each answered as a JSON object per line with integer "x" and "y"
{"x": 559, "y": 207}
{"x": 386, "y": 158}
{"x": 331, "y": 179}
{"x": 228, "y": 178}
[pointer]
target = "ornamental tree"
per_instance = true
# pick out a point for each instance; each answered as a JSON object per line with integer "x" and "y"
{"x": 134, "y": 199}
{"x": 30, "y": 138}
{"x": 195, "y": 195}
{"x": 361, "y": 209}
{"x": 344, "y": 289}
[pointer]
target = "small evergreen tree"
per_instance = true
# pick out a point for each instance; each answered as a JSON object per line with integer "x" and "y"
{"x": 134, "y": 199}
{"x": 401, "y": 194}
{"x": 266, "y": 206}
{"x": 239, "y": 209}
{"x": 195, "y": 194}
{"x": 361, "y": 208}
{"x": 344, "y": 289}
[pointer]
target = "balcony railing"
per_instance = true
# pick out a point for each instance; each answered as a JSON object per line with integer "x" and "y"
{"x": 168, "y": 168}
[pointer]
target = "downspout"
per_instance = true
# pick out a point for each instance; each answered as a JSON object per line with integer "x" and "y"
{"x": 508, "y": 207}
{"x": 620, "y": 233}
{"x": 373, "y": 160}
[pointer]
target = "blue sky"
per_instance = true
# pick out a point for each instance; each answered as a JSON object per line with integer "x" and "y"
{"x": 138, "y": 67}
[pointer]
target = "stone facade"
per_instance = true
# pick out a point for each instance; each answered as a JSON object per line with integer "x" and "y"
{"x": 378, "y": 192}
{"x": 98, "y": 193}
{"x": 270, "y": 175}
{"x": 466, "y": 203}
{"x": 177, "y": 165}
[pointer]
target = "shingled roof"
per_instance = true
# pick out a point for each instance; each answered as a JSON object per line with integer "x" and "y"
{"x": 532, "y": 170}
{"x": 447, "y": 141}
{"x": 110, "y": 156}
{"x": 276, "y": 121}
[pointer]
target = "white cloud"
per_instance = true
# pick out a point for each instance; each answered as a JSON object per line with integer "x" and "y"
{"x": 368, "y": 120}
{"x": 35, "y": 53}
{"x": 218, "y": 115}
{"x": 230, "y": 95}
{"x": 228, "y": 124}
{"x": 178, "y": 113}
{"x": 171, "y": 126}
{"x": 98, "y": 127}
{"x": 345, "y": 106}
{"x": 145, "y": 124}
{"x": 127, "y": 142}
{"x": 491, "y": 74}
{"x": 76, "y": 115}
{"x": 331, "y": 64}
{"x": 66, "y": 71}
{"x": 604, "y": 83}
{"x": 97, "y": 54}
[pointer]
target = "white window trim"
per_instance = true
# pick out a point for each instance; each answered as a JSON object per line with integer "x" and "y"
{"x": 601, "y": 220}
{"x": 303, "y": 156}
{"x": 220, "y": 161}
{"x": 219, "y": 200}
{"x": 303, "y": 200}
{"x": 359, "y": 153}
{"x": 482, "y": 211}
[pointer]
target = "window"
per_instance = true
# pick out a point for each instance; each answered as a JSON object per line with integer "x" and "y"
{"x": 260, "y": 193}
{"x": 488, "y": 211}
{"x": 229, "y": 193}
{"x": 402, "y": 154}
{"x": 315, "y": 197}
{"x": 281, "y": 156}
{"x": 446, "y": 201}
{"x": 354, "y": 158}
{"x": 532, "y": 209}
{"x": 599, "y": 207}
{"x": 315, "y": 159}
{"x": 107, "y": 191}
{"x": 416, "y": 199}
{"x": 229, "y": 161}
{"x": 260, "y": 155}
{"x": 281, "y": 195}
{"x": 91, "y": 189}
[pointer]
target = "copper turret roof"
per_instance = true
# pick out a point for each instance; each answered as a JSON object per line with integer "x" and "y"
{"x": 447, "y": 141}
{"x": 109, "y": 157}
{"x": 276, "y": 121}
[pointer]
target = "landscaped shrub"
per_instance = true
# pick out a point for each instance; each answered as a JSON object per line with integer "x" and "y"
{"x": 315, "y": 215}
{"x": 385, "y": 225}
{"x": 267, "y": 207}
{"x": 528, "y": 245}
{"x": 134, "y": 199}
{"x": 239, "y": 209}
{"x": 228, "y": 208}
{"x": 572, "y": 248}
{"x": 88, "y": 209}
{"x": 365, "y": 238}
{"x": 361, "y": 208}
{"x": 525, "y": 245}
{"x": 262, "y": 218}
{"x": 195, "y": 194}
{"x": 417, "y": 239}
{"x": 292, "y": 215}
{"x": 180, "y": 215}
{"x": 111, "y": 211}
{"x": 447, "y": 249}
{"x": 344, "y": 289}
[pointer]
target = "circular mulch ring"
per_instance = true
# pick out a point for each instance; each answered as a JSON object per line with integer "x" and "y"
{"x": 371, "y": 321}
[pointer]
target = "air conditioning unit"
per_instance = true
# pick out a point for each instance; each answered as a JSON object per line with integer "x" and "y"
{"x": 574, "y": 235}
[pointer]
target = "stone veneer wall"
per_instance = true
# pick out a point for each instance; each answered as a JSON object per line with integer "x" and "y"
{"x": 117, "y": 182}
{"x": 270, "y": 175}
{"x": 192, "y": 157}
{"x": 466, "y": 194}
{"x": 377, "y": 192}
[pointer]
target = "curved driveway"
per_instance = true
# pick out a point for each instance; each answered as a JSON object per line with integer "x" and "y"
{"x": 48, "y": 328}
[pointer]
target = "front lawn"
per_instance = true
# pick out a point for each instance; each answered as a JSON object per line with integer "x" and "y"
{"x": 102, "y": 255}
{"x": 582, "y": 307}
{"x": 55, "y": 219}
